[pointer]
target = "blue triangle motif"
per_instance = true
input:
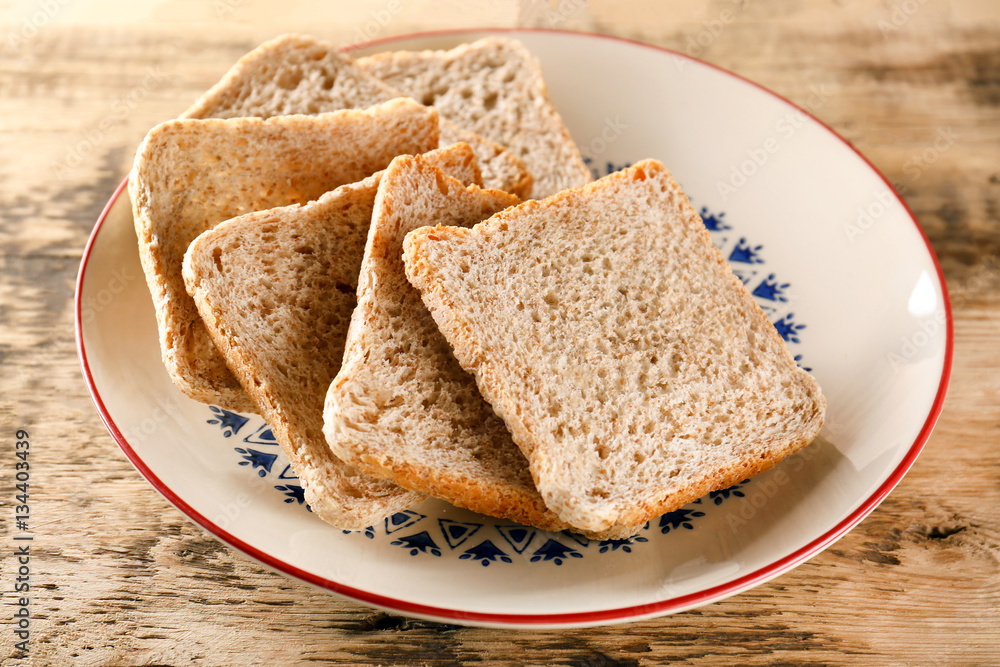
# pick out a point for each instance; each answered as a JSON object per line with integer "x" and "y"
{"x": 556, "y": 552}
{"x": 485, "y": 552}
{"x": 229, "y": 422}
{"x": 456, "y": 532}
{"x": 260, "y": 461}
{"x": 421, "y": 542}
{"x": 713, "y": 223}
{"x": 401, "y": 520}
{"x": 518, "y": 537}
{"x": 678, "y": 519}
{"x": 262, "y": 436}
{"x": 744, "y": 275}
{"x": 288, "y": 473}
{"x": 623, "y": 544}
{"x": 788, "y": 329}
{"x": 293, "y": 493}
{"x": 771, "y": 289}
{"x": 746, "y": 253}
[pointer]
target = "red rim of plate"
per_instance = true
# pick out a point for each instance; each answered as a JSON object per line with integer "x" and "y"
{"x": 675, "y": 604}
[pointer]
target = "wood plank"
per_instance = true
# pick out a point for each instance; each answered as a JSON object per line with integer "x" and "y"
{"x": 123, "y": 578}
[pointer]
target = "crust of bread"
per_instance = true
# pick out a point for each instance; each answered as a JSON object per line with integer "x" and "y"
{"x": 633, "y": 369}
{"x": 495, "y": 87}
{"x": 276, "y": 290}
{"x": 190, "y": 175}
{"x": 401, "y": 407}
{"x": 297, "y": 74}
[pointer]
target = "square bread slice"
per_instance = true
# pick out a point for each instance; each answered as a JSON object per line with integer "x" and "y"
{"x": 190, "y": 175}
{"x": 401, "y": 407}
{"x": 296, "y": 74}
{"x": 276, "y": 290}
{"x": 631, "y": 366}
{"x": 494, "y": 87}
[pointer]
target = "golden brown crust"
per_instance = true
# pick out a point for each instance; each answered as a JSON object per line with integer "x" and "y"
{"x": 276, "y": 290}
{"x": 190, "y": 175}
{"x": 297, "y": 74}
{"x": 400, "y": 408}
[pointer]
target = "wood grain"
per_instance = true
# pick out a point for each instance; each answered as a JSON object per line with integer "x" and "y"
{"x": 121, "y": 578}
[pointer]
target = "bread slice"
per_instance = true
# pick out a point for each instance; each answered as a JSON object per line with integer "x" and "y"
{"x": 295, "y": 74}
{"x": 494, "y": 87}
{"x": 401, "y": 406}
{"x": 631, "y": 366}
{"x": 189, "y": 175}
{"x": 276, "y": 290}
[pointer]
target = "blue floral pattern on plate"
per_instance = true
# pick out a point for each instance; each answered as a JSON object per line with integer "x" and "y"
{"x": 496, "y": 543}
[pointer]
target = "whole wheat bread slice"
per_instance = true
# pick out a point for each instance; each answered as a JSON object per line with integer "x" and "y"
{"x": 633, "y": 369}
{"x": 494, "y": 87}
{"x": 296, "y": 74}
{"x": 189, "y": 175}
{"x": 276, "y": 290}
{"x": 401, "y": 406}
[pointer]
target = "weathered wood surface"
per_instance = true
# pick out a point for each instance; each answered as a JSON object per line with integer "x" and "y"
{"x": 120, "y": 577}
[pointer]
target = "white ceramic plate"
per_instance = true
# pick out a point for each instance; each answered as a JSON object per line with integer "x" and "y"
{"x": 831, "y": 253}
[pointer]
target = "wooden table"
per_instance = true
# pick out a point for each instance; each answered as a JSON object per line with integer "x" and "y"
{"x": 120, "y": 577}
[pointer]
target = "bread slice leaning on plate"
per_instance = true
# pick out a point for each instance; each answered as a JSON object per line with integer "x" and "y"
{"x": 190, "y": 175}
{"x": 494, "y": 87}
{"x": 633, "y": 369}
{"x": 276, "y": 290}
{"x": 401, "y": 407}
{"x": 297, "y": 74}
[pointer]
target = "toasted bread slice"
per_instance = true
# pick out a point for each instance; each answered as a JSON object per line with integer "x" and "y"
{"x": 494, "y": 87}
{"x": 190, "y": 175}
{"x": 631, "y": 366}
{"x": 276, "y": 290}
{"x": 401, "y": 407}
{"x": 295, "y": 74}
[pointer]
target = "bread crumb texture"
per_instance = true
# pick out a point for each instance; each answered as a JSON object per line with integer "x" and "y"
{"x": 276, "y": 290}
{"x": 632, "y": 367}
{"x": 298, "y": 74}
{"x": 494, "y": 87}
{"x": 190, "y": 175}
{"x": 401, "y": 406}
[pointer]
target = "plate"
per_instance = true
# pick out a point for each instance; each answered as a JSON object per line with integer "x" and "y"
{"x": 819, "y": 237}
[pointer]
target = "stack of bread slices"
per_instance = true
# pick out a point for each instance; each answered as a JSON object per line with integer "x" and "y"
{"x": 400, "y": 262}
